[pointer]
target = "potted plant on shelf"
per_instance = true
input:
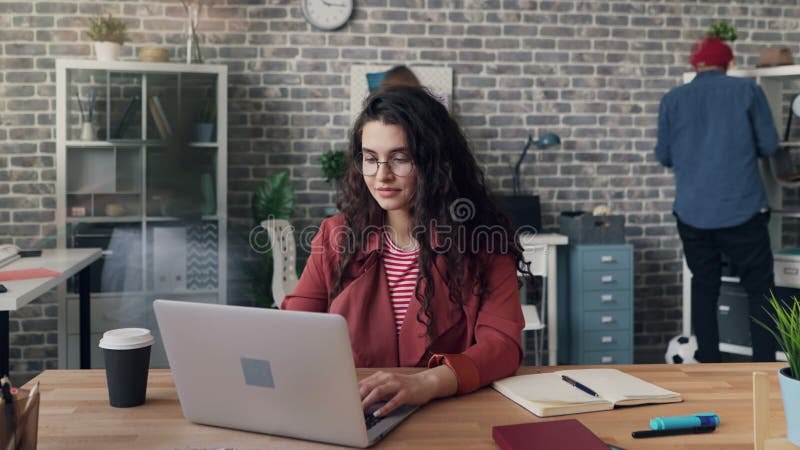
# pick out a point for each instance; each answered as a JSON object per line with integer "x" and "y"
{"x": 334, "y": 165}
{"x": 203, "y": 128}
{"x": 722, "y": 30}
{"x": 786, "y": 319}
{"x": 108, "y": 34}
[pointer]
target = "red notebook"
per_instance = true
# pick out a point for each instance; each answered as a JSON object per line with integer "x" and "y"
{"x": 27, "y": 274}
{"x": 557, "y": 434}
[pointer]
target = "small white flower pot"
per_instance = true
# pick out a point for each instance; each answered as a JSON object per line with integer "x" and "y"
{"x": 106, "y": 51}
{"x": 88, "y": 131}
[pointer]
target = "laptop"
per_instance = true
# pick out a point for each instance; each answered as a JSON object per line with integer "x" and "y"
{"x": 285, "y": 373}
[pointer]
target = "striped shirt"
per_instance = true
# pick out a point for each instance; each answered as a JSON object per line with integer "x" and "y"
{"x": 402, "y": 268}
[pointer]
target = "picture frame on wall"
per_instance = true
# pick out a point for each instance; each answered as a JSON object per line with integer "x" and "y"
{"x": 439, "y": 80}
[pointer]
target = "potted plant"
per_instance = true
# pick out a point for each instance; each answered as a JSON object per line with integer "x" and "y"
{"x": 334, "y": 165}
{"x": 108, "y": 34}
{"x": 203, "y": 127}
{"x": 273, "y": 199}
{"x": 786, "y": 319}
{"x": 722, "y": 30}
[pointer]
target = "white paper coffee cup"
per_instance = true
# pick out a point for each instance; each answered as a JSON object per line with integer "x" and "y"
{"x": 126, "y": 352}
{"x": 126, "y": 339}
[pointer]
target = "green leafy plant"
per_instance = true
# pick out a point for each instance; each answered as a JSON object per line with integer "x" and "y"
{"x": 722, "y": 30}
{"x": 108, "y": 29}
{"x": 786, "y": 317}
{"x": 273, "y": 199}
{"x": 334, "y": 164}
{"x": 207, "y": 112}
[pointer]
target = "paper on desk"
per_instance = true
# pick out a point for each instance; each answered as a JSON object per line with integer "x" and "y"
{"x": 547, "y": 394}
{"x": 27, "y": 274}
{"x": 619, "y": 387}
{"x": 547, "y": 388}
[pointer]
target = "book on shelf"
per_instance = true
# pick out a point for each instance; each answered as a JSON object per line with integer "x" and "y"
{"x": 119, "y": 130}
{"x": 566, "y": 434}
{"x": 548, "y": 394}
{"x": 159, "y": 117}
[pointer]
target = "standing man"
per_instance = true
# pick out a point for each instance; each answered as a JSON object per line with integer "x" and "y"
{"x": 712, "y": 132}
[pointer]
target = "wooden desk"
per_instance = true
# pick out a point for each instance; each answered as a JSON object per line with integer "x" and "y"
{"x": 75, "y": 414}
{"x": 66, "y": 261}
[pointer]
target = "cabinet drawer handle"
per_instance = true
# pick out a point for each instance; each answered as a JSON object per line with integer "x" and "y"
{"x": 606, "y": 298}
{"x": 607, "y": 359}
{"x": 607, "y": 339}
{"x": 606, "y": 319}
{"x": 606, "y": 259}
{"x": 107, "y": 252}
{"x": 607, "y": 279}
{"x": 790, "y": 271}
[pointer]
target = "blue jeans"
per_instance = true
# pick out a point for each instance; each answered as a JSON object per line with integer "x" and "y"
{"x": 747, "y": 247}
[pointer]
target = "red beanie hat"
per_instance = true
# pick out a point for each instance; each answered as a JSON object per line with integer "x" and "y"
{"x": 711, "y": 51}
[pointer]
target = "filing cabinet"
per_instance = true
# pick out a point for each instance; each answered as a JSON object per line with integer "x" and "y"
{"x": 600, "y": 304}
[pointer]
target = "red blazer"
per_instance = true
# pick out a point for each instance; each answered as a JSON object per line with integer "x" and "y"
{"x": 480, "y": 340}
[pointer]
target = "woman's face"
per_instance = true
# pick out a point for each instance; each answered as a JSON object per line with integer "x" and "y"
{"x": 387, "y": 143}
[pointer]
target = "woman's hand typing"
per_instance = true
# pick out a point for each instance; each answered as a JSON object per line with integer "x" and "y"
{"x": 407, "y": 389}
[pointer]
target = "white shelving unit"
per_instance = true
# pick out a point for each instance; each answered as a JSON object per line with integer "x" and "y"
{"x": 787, "y": 266}
{"x": 144, "y": 187}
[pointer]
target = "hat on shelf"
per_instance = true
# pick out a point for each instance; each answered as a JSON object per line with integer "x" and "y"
{"x": 711, "y": 51}
{"x": 775, "y": 56}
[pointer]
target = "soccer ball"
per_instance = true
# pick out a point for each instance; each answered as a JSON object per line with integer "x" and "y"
{"x": 681, "y": 350}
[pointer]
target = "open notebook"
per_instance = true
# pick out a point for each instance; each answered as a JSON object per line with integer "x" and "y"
{"x": 546, "y": 394}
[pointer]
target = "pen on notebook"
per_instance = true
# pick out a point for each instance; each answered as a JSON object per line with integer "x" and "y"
{"x": 580, "y": 386}
{"x": 672, "y": 431}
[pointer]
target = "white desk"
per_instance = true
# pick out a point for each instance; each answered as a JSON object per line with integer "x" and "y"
{"x": 66, "y": 261}
{"x": 540, "y": 249}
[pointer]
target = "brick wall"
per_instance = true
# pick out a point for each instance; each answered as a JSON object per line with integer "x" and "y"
{"x": 591, "y": 71}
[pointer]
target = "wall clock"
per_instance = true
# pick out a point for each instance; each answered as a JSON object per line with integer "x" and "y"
{"x": 327, "y": 14}
{"x": 796, "y": 106}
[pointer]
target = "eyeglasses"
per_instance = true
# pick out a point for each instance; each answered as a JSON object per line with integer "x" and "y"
{"x": 400, "y": 167}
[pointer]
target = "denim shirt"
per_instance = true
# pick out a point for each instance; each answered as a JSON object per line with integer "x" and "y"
{"x": 712, "y": 131}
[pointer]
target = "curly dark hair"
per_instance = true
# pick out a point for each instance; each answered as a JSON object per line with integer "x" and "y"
{"x": 447, "y": 175}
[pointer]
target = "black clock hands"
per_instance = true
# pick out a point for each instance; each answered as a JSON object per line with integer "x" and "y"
{"x": 330, "y": 3}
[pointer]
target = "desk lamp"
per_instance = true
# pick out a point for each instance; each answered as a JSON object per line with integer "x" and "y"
{"x": 524, "y": 210}
{"x": 546, "y": 141}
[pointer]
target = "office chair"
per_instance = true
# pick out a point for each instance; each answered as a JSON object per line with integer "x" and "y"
{"x": 284, "y": 266}
{"x": 532, "y": 313}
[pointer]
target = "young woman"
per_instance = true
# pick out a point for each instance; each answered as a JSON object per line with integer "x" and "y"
{"x": 421, "y": 261}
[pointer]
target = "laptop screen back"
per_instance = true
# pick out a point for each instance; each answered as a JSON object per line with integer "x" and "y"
{"x": 275, "y": 372}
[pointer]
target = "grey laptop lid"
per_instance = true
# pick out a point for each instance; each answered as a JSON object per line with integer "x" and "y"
{"x": 276, "y": 372}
